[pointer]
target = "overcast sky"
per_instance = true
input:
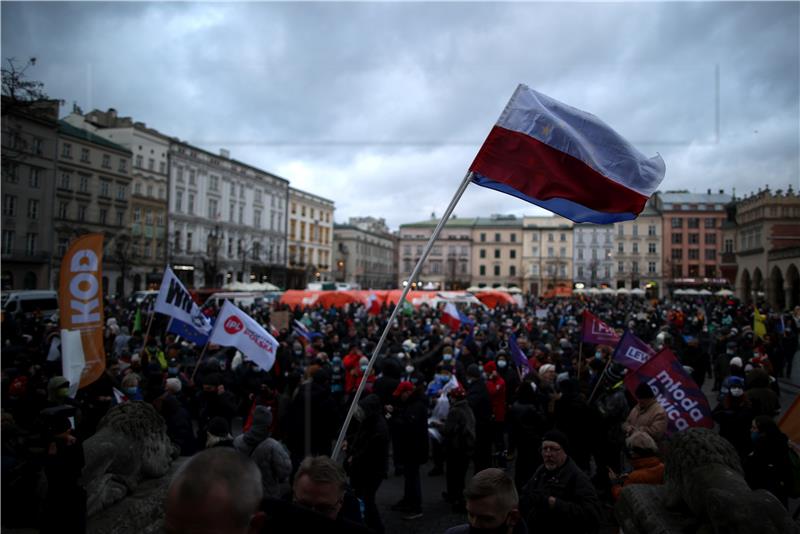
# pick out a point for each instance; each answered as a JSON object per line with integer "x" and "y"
{"x": 381, "y": 107}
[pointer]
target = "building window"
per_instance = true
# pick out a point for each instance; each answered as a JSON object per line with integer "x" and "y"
{"x": 85, "y": 155}
{"x": 66, "y": 151}
{"x": 121, "y": 192}
{"x": 580, "y": 253}
{"x": 497, "y": 253}
{"x": 677, "y": 222}
{"x": 550, "y": 237}
{"x": 188, "y": 242}
{"x": 711, "y": 239}
{"x": 513, "y": 238}
{"x": 635, "y": 267}
{"x": 729, "y": 246}
{"x": 149, "y": 190}
{"x": 535, "y": 237}
{"x": 512, "y": 254}
{"x": 580, "y": 271}
{"x": 693, "y": 222}
{"x": 635, "y": 230}
{"x": 139, "y": 161}
{"x": 103, "y": 216}
{"x": 651, "y": 248}
{"x": 677, "y": 254}
{"x": 710, "y": 223}
{"x": 33, "y": 180}
{"x": 694, "y": 253}
{"x": 694, "y": 239}
{"x": 562, "y": 252}
{"x": 496, "y": 238}
{"x": 677, "y": 239}
{"x": 192, "y": 181}
{"x": 120, "y": 218}
{"x": 105, "y": 188}
{"x": 257, "y": 218}
{"x": 621, "y": 247}
{"x": 620, "y": 267}
{"x": 651, "y": 267}
{"x": 33, "y": 209}
{"x": 711, "y": 254}
{"x": 482, "y": 253}
{"x": 535, "y": 251}
{"x": 8, "y": 241}
{"x": 148, "y": 216}
{"x": 81, "y": 213}
{"x": 37, "y": 145}
{"x": 620, "y": 230}
{"x": 162, "y": 168}
{"x": 106, "y": 161}
{"x": 651, "y": 230}
{"x": 512, "y": 271}
{"x": 83, "y": 184}
{"x": 550, "y": 252}
{"x": 9, "y": 205}
{"x": 190, "y": 206}
{"x": 481, "y": 269}
{"x": 483, "y": 238}
{"x": 63, "y": 210}
{"x": 497, "y": 270}
{"x": 241, "y": 214}
{"x": 212, "y": 208}
{"x": 177, "y": 241}
{"x": 151, "y": 164}
{"x": 123, "y": 165}
{"x": 178, "y": 201}
{"x": 137, "y": 188}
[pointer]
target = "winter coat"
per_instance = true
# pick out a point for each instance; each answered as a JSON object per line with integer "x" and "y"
{"x": 269, "y": 455}
{"x": 496, "y": 387}
{"x": 323, "y": 423}
{"x": 478, "y": 399}
{"x": 652, "y": 420}
{"x": 410, "y": 428}
{"x": 648, "y": 470}
{"x": 735, "y": 418}
{"x": 368, "y": 449}
{"x": 577, "y": 508}
{"x": 459, "y": 429}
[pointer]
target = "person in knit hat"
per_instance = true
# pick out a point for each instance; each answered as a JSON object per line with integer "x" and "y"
{"x": 270, "y": 456}
{"x": 559, "y": 497}
{"x": 647, "y": 466}
{"x": 648, "y": 415}
{"x": 218, "y": 433}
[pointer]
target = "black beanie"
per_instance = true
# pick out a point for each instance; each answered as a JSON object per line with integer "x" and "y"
{"x": 644, "y": 391}
{"x": 556, "y": 436}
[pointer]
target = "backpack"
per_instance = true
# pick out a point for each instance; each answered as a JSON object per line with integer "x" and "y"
{"x": 793, "y": 480}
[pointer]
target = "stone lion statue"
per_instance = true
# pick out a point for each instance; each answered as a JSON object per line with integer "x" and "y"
{"x": 131, "y": 444}
{"x": 704, "y": 492}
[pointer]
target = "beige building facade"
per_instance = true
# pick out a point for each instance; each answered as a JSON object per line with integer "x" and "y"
{"x": 547, "y": 243}
{"x": 310, "y": 238}
{"x": 449, "y": 264}
{"x": 497, "y": 252}
{"x": 636, "y": 252}
{"x": 364, "y": 254}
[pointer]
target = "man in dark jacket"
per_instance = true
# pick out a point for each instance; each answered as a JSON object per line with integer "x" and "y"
{"x": 478, "y": 399}
{"x": 492, "y": 505}
{"x": 311, "y": 412}
{"x": 560, "y": 497}
{"x": 368, "y": 458}
{"x": 410, "y": 425}
{"x": 459, "y": 443}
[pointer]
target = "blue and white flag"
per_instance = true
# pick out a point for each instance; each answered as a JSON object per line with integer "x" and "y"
{"x": 187, "y": 331}
{"x": 175, "y": 301}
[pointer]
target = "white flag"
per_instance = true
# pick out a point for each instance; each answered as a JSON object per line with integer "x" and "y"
{"x": 73, "y": 360}
{"x": 175, "y": 301}
{"x": 234, "y": 328}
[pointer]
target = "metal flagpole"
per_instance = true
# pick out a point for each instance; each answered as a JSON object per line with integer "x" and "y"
{"x": 464, "y": 183}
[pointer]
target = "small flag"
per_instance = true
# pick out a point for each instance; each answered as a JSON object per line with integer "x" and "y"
{"x": 518, "y": 356}
{"x": 596, "y": 331}
{"x": 566, "y": 161}
{"x": 187, "y": 331}
{"x": 632, "y": 352}
{"x": 373, "y": 304}
{"x": 234, "y": 328}
{"x": 137, "y": 320}
{"x": 301, "y": 330}
{"x": 408, "y": 309}
{"x": 173, "y": 300}
{"x": 759, "y": 327}
{"x": 451, "y": 317}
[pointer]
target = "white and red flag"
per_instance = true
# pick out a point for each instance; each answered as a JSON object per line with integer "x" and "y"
{"x": 234, "y": 328}
{"x": 451, "y": 317}
{"x": 373, "y": 304}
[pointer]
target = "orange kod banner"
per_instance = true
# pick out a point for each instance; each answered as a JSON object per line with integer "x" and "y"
{"x": 80, "y": 300}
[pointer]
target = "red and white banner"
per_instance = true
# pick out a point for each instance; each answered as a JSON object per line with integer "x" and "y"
{"x": 373, "y": 304}
{"x": 234, "y": 328}
{"x": 80, "y": 301}
{"x": 451, "y": 317}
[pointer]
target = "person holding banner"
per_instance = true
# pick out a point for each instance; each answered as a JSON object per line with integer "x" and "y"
{"x": 648, "y": 415}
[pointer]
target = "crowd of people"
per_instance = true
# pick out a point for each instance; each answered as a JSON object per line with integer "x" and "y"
{"x": 550, "y": 448}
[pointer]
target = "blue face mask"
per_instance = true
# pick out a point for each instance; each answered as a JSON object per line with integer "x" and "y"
{"x": 447, "y": 357}
{"x": 172, "y": 370}
{"x": 363, "y": 368}
{"x": 598, "y": 355}
{"x": 131, "y": 391}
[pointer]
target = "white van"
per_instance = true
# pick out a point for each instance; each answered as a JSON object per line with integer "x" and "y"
{"x": 240, "y": 298}
{"x": 18, "y": 304}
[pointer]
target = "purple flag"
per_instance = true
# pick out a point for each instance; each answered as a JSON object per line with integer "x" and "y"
{"x": 632, "y": 352}
{"x": 518, "y": 355}
{"x": 596, "y": 331}
{"x": 685, "y": 403}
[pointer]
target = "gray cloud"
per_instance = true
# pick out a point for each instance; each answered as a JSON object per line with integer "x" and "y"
{"x": 382, "y": 106}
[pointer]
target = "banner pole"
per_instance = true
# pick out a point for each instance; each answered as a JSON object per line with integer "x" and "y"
{"x": 599, "y": 380}
{"x": 199, "y": 359}
{"x": 456, "y": 197}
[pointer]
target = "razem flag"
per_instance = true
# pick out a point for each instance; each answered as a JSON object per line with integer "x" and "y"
{"x": 234, "y": 328}
{"x": 518, "y": 356}
{"x": 566, "y": 161}
{"x": 632, "y": 352}
{"x": 175, "y": 301}
{"x": 80, "y": 301}
{"x": 596, "y": 331}
{"x": 451, "y": 317}
{"x": 675, "y": 391}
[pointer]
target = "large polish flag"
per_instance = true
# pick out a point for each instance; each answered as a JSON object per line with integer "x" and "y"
{"x": 566, "y": 161}
{"x": 451, "y": 317}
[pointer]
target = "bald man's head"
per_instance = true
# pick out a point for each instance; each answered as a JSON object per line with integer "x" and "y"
{"x": 217, "y": 490}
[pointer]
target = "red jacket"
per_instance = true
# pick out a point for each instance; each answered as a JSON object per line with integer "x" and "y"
{"x": 497, "y": 394}
{"x": 350, "y": 363}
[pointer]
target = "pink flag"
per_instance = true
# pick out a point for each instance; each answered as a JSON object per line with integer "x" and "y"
{"x": 596, "y": 331}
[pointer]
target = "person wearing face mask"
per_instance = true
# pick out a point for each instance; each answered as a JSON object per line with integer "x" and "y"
{"x": 130, "y": 387}
{"x": 734, "y": 415}
{"x": 492, "y": 505}
{"x": 496, "y": 387}
{"x": 213, "y": 401}
{"x": 767, "y": 466}
{"x": 363, "y": 363}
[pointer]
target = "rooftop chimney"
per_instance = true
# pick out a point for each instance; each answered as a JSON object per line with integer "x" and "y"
{"x": 112, "y": 113}
{"x": 225, "y": 153}
{"x": 709, "y": 190}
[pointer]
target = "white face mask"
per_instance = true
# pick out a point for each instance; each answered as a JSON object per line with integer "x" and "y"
{"x": 501, "y": 364}
{"x": 409, "y": 368}
{"x": 737, "y": 392}
{"x": 447, "y": 357}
